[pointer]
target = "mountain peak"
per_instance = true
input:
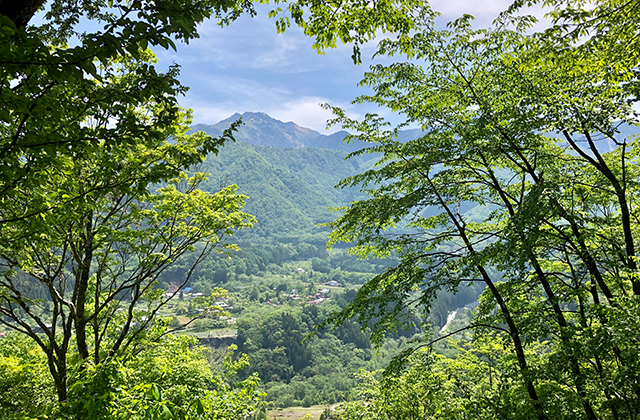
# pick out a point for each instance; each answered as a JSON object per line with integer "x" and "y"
{"x": 261, "y": 129}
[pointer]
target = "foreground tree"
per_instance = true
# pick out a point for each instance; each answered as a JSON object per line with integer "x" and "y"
{"x": 86, "y": 283}
{"x": 478, "y": 383}
{"x": 172, "y": 378}
{"x": 526, "y": 130}
{"x": 59, "y": 102}
{"x": 95, "y": 202}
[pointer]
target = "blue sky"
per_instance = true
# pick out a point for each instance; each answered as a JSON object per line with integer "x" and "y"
{"x": 249, "y": 67}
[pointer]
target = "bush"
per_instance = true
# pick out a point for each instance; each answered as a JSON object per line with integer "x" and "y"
{"x": 206, "y": 324}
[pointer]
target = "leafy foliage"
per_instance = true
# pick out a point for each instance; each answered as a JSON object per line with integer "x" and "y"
{"x": 170, "y": 379}
{"x": 525, "y": 126}
{"x": 94, "y": 200}
{"x": 290, "y": 190}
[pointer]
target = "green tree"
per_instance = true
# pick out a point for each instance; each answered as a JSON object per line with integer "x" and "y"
{"x": 94, "y": 204}
{"x": 66, "y": 92}
{"x": 172, "y": 377}
{"x": 100, "y": 266}
{"x": 477, "y": 383}
{"x": 515, "y": 126}
{"x": 27, "y": 389}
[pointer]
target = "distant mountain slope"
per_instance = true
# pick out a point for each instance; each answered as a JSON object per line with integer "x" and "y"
{"x": 289, "y": 172}
{"x": 261, "y": 129}
{"x": 290, "y": 189}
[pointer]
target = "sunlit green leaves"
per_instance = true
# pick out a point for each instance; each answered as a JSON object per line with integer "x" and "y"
{"x": 516, "y": 182}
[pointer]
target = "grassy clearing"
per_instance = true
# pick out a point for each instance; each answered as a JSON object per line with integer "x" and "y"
{"x": 296, "y": 413}
{"x": 212, "y": 333}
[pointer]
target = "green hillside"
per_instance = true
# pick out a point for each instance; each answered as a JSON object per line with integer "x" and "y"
{"x": 290, "y": 190}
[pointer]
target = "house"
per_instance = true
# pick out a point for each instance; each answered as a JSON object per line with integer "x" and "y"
{"x": 332, "y": 283}
{"x": 294, "y": 294}
{"x": 38, "y": 330}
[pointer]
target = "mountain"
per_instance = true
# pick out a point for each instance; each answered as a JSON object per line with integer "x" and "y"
{"x": 289, "y": 172}
{"x": 260, "y": 129}
{"x": 290, "y": 189}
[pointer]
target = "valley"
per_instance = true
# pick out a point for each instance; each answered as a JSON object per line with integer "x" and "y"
{"x": 283, "y": 280}
{"x": 466, "y": 248}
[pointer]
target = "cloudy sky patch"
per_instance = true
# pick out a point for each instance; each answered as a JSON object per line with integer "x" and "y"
{"x": 249, "y": 67}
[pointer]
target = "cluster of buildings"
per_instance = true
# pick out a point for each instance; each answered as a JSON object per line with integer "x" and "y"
{"x": 315, "y": 299}
{"x": 319, "y": 297}
{"x": 186, "y": 293}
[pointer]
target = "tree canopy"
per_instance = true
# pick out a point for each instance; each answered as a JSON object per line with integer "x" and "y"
{"x": 535, "y": 132}
{"x": 65, "y": 90}
{"x": 96, "y": 194}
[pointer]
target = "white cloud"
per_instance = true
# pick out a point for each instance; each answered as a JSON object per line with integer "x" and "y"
{"x": 216, "y": 97}
{"x": 279, "y": 51}
{"x": 250, "y": 43}
{"x": 249, "y": 67}
{"x": 204, "y": 113}
{"x": 212, "y": 86}
{"x": 306, "y": 112}
{"x": 484, "y": 11}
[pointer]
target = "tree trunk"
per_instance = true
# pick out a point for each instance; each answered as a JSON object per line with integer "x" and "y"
{"x": 20, "y": 11}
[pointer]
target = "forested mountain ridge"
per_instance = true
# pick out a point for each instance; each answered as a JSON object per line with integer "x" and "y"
{"x": 290, "y": 190}
{"x": 288, "y": 172}
{"x": 260, "y": 129}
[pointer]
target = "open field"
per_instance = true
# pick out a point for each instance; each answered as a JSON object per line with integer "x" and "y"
{"x": 296, "y": 413}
